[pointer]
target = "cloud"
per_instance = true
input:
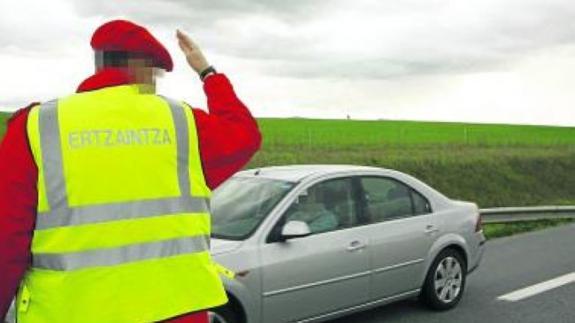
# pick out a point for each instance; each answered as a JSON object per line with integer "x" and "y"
{"x": 162, "y": 11}
{"x": 460, "y": 38}
{"x": 32, "y": 29}
{"x": 330, "y": 38}
{"x": 477, "y": 60}
{"x": 363, "y": 38}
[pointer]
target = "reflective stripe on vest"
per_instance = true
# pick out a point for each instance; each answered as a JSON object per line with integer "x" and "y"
{"x": 62, "y": 215}
{"x": 116, "y": 256}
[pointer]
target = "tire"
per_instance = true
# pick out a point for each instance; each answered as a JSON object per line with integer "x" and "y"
{"x": 223, "y": 314}
{"x": 445, "y": 281}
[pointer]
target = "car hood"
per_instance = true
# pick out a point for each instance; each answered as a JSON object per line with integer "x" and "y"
{"x": 220, "y": 246}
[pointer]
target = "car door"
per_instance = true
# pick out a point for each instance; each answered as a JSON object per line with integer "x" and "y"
{"x": 402, "y": 230}
{"x": 325, "y": 271}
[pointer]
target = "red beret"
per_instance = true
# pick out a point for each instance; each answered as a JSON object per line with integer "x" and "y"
{"x": 123, "y": 35}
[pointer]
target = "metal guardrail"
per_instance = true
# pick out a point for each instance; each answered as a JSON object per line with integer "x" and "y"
{"x": 514, "y": 214}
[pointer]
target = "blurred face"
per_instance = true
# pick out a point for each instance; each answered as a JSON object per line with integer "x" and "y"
{"x": 140, "y": 69}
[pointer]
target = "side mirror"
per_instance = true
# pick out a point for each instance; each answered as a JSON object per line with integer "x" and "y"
{"x": 295, "y": 229}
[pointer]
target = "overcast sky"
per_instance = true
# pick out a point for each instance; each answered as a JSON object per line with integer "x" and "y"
{"x": 502, "y": 61}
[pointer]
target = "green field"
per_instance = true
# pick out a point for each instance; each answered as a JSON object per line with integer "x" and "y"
{"x": 493, "y": 165}
{"x": 3, "y": 117}
{"x": 498, "y": 230}
{"x": 313, "y": 133}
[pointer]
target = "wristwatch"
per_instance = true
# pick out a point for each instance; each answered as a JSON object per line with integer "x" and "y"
{"x": 207, "y": 71}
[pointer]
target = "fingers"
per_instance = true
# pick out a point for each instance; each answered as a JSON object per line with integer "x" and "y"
{"x": 193, "y": 53}
{"x": 183, "y": 47}
{"x": 181, "y": 36}
{"x": 182, "y": 41}
{"x": 185, "y": 40}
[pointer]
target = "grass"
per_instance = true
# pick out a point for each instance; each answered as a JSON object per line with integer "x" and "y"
{"x": 312, "y": 133}
{"x": 498, "y": 230}
{"x": 493, "y": 165}
{"x": 3, "y": 118}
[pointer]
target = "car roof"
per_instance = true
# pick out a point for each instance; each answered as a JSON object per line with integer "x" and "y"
{"x": 295, "y": 173}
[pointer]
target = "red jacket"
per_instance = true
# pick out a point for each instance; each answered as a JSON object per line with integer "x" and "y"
{"x": 228, "y": 137}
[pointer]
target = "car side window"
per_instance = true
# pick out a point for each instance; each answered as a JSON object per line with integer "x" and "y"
{"x": 326, "y": 206}
{"x": 420, "y": 204}
{"x": 388, "y": 199}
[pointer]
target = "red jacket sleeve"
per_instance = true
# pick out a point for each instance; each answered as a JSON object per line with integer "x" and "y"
{"x": 18, "y": 198}
{"x": 228, "y": 135}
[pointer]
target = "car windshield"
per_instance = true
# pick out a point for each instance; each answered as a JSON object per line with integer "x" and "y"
{"x": 240, "y": 204}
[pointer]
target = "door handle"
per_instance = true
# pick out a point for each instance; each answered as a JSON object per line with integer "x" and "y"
{"x": 430, "y": 229}
{"x": 356, "y": 245}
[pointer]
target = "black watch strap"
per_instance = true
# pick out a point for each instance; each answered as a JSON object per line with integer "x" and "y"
{"x": 206, "y": 71}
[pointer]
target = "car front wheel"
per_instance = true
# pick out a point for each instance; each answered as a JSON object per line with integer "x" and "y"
{"x": 223, "y": 314}
{"x": 445, "y": 281}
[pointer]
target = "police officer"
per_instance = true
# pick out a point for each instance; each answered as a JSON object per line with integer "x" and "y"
{"x": 104, "y": 193}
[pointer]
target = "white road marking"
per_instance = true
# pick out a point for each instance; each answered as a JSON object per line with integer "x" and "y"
{"x": 538, "y": 288}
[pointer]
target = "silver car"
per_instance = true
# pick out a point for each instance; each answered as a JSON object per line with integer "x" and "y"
{"x": 311, "y": 243}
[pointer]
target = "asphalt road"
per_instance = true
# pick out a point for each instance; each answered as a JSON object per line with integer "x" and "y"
{"x": 509, "y": 264}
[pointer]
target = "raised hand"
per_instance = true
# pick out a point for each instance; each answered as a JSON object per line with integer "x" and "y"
{"x": 194, "y": 55}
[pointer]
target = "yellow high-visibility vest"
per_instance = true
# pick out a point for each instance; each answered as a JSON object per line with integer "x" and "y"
{"x": 123, "y": 226}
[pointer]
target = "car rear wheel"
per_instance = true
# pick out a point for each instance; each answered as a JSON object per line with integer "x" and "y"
{"x": 223, "y": 314}
{"x": 445, "y": 281}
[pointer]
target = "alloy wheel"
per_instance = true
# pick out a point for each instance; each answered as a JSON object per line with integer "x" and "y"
{"x": 448, "y": 279}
